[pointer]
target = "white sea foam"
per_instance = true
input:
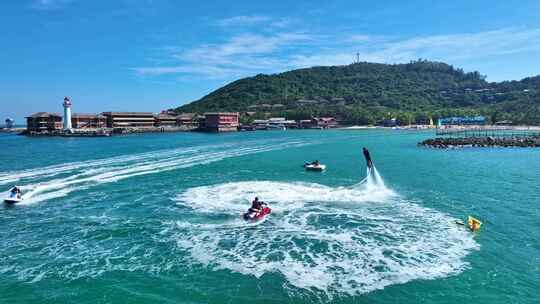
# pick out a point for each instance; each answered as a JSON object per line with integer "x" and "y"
{"x": 335, "y": 240}
{"x": 13, "y": 176}
{"x": 332, "y": 240}
{"x": 59, "y": 180}
{"x": 83, "y": 254}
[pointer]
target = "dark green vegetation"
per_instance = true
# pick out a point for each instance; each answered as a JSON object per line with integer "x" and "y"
{"x": 364, "y": 93}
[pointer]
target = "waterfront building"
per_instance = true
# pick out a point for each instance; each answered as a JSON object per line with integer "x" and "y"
{"x": 67, "y": 114}
{"x": 324, "y": 122}
{"x": 221, "y": 122}
{"x": 392, "y": 122}
{"x": 88, "y": 121}
{"x": 43, "y": 121}
{"x": 187, "y": 120}
{"x": 165, "y": 120}
{"x": 462, "y": 121}
{"x": 129, "y": 119}
{"x": 304, "y": 124}
{"x": 260, "y": 124}
{"x": 317, "y": 123}
{"x": 201, "y": 119}
{"x": 274, "y": 123}
{"x": 168, "y": 112}
{"x": 281, "y": 121}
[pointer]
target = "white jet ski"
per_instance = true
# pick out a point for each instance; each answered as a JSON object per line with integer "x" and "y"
{"x": 313, "y": 167}
{"x": 13, "y": 199}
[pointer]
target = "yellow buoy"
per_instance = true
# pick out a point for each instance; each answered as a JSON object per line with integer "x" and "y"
{"x": 474, "y": 224}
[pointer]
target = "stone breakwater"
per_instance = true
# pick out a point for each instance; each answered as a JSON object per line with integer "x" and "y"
{"x": 445, "y": 143}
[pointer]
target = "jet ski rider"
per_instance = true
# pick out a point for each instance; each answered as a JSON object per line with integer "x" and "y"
{"x": 16, "y": 191}
{"x": 256, "y": 206}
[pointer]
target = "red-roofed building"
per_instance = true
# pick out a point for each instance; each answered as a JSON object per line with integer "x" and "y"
{"x": 324, "y": 122}
{"x": 221, "y": 122}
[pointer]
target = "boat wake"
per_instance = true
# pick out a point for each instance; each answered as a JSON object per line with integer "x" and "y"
{"x": 344, "y": 240}
{"x": 319, "y": 239}
{"x": 50, "y": 182}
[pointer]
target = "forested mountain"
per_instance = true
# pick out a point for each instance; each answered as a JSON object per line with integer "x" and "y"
{"x": 364, "y": 93}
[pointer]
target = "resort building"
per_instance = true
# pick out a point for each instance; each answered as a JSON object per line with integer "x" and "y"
{"x": 165, "y": 120}
{"x": 168, "y": 112}
{"x": 462, "y": 121}
{"x": 324, "y": 122}
{"x": 88, "y": 121}
{"x": 392, "y": 122}
{"x": 43, "y": 121}
{"x": 304, "y": 124}
{"x": 129, "y": 119}
{"x": 187, "y": 120}
{"x": 274, "y": 123}
{"x": 221, "y": 122}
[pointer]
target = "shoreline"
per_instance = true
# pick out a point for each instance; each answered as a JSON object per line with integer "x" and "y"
{"x": 104, "y": 132}
{"x": 13, "y": 130}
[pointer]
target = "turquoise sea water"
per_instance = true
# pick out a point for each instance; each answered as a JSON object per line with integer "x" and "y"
{"x": 156, "y": 219}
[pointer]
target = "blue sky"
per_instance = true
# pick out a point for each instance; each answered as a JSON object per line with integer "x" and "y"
{"x": 149, "y": 55}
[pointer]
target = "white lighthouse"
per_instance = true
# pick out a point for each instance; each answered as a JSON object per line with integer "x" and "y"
{"x": 67, "y": 114}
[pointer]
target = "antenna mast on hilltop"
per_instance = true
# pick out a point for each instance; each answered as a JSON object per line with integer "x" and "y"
{"x": 357, "y": 57}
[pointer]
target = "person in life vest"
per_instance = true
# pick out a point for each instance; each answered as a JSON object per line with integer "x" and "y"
{"x": 369, "y": 162}
{"x": 16, "y": 192}
{"x": 256, "y": 205}
{"x": 474, "y": 225}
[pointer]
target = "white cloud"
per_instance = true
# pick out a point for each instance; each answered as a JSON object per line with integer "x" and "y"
{"x": 248, "y": 54}
{"x": 242, "y": 20}
{"x": 242, "y": 54}
{"x": 266, "y": 22}
{"x": 437, "y": 47}
{"x": 244, "y": 44}
{"x": 358, "y": 38}
{"x": 209, "y": 71}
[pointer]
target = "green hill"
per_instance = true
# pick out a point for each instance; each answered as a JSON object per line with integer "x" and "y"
{"x": 363, "y": 93}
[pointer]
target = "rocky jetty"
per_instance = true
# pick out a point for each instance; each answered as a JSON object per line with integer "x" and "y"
{"x": 445, "y": 143}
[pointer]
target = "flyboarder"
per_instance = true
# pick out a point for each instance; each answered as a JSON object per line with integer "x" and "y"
{"x": 369, "y": 162}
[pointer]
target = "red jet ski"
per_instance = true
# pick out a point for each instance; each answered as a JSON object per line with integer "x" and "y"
{"x": 257, "y": 216}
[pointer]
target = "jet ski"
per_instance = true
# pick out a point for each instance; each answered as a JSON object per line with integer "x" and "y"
{"x": 13, "y": 199}
{"x": 257, "y": 216}
{"x": 314, "y": 167}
